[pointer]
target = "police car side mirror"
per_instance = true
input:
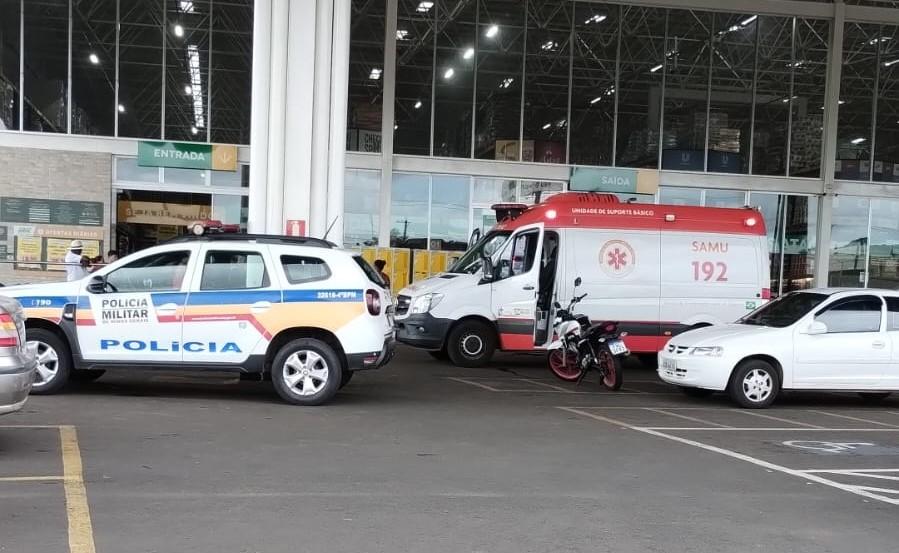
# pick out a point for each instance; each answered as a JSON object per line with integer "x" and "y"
{"x": 97, "y": 285}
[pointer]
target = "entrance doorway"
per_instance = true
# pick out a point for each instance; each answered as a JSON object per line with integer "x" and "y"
{"x": 147, "y": 218}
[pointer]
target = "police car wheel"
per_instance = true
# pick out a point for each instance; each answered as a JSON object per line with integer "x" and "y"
{"x": 471, "y": 344}
{"x": 54, "y": 363}
{"x": 306, "y": 371}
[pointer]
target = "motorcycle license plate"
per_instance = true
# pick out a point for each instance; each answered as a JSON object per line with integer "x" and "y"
{"x": 617, "y": 347}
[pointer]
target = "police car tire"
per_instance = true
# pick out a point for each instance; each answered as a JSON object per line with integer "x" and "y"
{"x": 345, "y": 378}
{"x": 459, "y": 333}
{"x": 326, "y": 352}
{"x": 64, "y": 361}
{"x": 86, "y": 375}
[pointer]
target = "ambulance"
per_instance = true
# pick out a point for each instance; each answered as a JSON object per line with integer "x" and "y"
{"x": 658, "y": 269}
{"x": 296, "y": 309}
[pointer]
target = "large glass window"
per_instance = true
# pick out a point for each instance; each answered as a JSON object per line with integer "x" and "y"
{"x": 409, "y": 210}
{"x": 883, "y": 255}
{"x": 730, "y": 111}
{"x": 686, "y": 89}
{"x": 849, "y": 241}
{"x": 414, "y": 74}
{"x": 772, "y": 94}
{"x": 361, "y": 197}
{"x": 93, "y": 67}
{"x": 232, "y": 69}
{"x": 886, "y": 143}
{"x": 640, "y": 83}
{"x": 449, "y": 212}
{"x": 46, "y": 65}
{"x": 9, "y": 64}
{"x": 366, "y": 79}
{"x": 857, "y": 87}
{"x": 807, "y": 100}
{"x": 456, "y": 25}
{"x": 187, "y": 70}
{"x": 546, "y": 81}
{"x": 725, "y": 198}
{"x": 140, "y": 69}
{"x": 669, "y": 195}
{"x": 498, "y": 97}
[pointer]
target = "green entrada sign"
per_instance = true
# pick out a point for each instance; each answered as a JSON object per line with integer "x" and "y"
{"x": 187, "y": 155}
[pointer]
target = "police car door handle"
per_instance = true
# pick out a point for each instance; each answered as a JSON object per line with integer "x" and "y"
{"x": 167, "y": 308}
{"x": 261, "y": 306}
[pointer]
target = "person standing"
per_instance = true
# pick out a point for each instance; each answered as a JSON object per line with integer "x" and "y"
{"x": 379, "y": 266}
{"x": 112, "y": 256}
{"x": 74, "y": 269}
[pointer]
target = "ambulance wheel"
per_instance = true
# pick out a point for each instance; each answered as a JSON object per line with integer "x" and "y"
{"x": 54, "y": 361}
{"x": 86, "y": 375}
{"x": 471, "y": 344}
{"x": 345, "y": 378}
{"x": 306, "y": 371}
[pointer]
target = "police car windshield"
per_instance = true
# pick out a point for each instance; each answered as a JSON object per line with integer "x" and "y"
{"x": 488, "y": 245}
{"x": 785, "y": 310}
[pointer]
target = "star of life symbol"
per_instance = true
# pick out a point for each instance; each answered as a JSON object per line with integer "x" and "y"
{"x": 617, "y": 259}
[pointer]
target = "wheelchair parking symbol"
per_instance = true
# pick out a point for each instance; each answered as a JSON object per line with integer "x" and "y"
{"x": 827, "y": 447}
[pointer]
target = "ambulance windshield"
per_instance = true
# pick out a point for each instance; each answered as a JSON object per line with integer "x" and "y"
{"x": 488, "y": 245}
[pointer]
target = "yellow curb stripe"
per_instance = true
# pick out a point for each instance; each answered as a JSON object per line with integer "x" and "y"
{"x": 81, "y": 533}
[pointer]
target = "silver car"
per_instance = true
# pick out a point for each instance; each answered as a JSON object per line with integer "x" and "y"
{"x": 17, "y": 360}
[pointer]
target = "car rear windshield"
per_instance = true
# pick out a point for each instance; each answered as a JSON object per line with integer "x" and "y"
{"x": 785, "y": 310}
{"x": 369, "y": 271}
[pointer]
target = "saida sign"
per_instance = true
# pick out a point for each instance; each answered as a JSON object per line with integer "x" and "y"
{"x": 614, "y": 179}
{"x": 187, "y": 155}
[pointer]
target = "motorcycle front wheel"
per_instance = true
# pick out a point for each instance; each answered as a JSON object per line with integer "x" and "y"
{"x": 563, "y": 363}
{"x": 612, "y": 377}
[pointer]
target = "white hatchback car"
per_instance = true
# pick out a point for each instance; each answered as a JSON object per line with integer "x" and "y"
{"x": 823, "y": 339}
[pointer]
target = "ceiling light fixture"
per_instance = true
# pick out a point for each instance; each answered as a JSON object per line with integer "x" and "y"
{"x": 594, "y": 100}
{"x": 187, "y": 6}
{"x": 178, "y": 30}
{"x": 546, "y": 126}
{"x": 448, "y": 74}
{"x": 595, "y": 19}
{"x": 749, "y": 20}
{"x": 196, "y": 84}
{"x": 194, "y": 130}
{"x": 375, "y": 73}
{"x": 401, "y": 34}
{"x": 94, "y": 59}
{"x": 418, "y": 104}
{"x": 858, "y": 140}
{"x": 491, "y": 31}
{"x": 188, "y": 89}
{"x": 469, "y": 53}
{"x": 121, "y": 108}
{"x": 890, "y": 63}
{"x": 656, "y": 68}
{"x": 424, "y": 7}
{"x": 507, "y": 82}
{"x": 548, "y": 45}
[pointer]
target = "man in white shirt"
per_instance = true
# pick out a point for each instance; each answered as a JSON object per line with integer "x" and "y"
{"x": 74, "y": 270}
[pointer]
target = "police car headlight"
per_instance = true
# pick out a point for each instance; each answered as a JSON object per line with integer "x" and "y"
{"x": 425, "y": 303}
{"x": 707, "y": 351}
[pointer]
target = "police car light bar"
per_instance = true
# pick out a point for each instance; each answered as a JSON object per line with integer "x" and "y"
{"x": 211, "y": 226}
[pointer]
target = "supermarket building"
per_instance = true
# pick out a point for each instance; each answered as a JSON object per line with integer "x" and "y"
{"x": 400, "y": 122}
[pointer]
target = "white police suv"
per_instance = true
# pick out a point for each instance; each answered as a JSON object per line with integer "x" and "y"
{"x": 298, "y": 309}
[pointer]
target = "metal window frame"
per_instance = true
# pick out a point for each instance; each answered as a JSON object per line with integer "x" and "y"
{"x": 69, "y": 77}
{"x": 118, "y": 34}
{"x": 21, "y": 65}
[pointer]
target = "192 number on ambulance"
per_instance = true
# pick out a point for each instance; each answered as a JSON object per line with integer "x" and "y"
{"x": 708, "y": 271}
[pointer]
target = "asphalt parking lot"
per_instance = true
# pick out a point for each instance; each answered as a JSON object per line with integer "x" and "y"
{"x": 423, "y": 456}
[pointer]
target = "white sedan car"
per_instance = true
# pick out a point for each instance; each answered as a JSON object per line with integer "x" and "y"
{"x": 824, "y": 339}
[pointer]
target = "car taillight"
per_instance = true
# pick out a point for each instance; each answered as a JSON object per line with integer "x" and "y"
{"x": 373, "y": 302}
{"x": 9, "y": 334}
{"x": 766, "y": 293}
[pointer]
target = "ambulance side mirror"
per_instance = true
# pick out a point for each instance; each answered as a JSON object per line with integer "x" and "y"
{"x": 97, "y": 285}
{"x": 489, "y": 270}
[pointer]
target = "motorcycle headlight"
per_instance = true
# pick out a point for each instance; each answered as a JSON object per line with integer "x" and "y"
{"x": 425, "y": 303}
{"x": 707, "y": 351}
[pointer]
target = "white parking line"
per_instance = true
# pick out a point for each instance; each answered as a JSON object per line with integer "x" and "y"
{"x": 754, "y": 414}
{"x": 859, "y": 473}
{"x": 551, "y": 386}
{"x": 763, "y": 429}
{"x": 858, "y": 490}
{"x": 471, "y": 383}
{"x": 857, "y": 419}
{"x": 678, "y": 415}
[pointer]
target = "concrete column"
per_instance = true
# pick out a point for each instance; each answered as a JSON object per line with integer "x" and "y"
{"x": 262, "y": 19}
{"x": 321, "y": 119}
{"x": 387, "y": 123}
{"x": 340, "y": 74}
{"x": 298, "y": 127}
